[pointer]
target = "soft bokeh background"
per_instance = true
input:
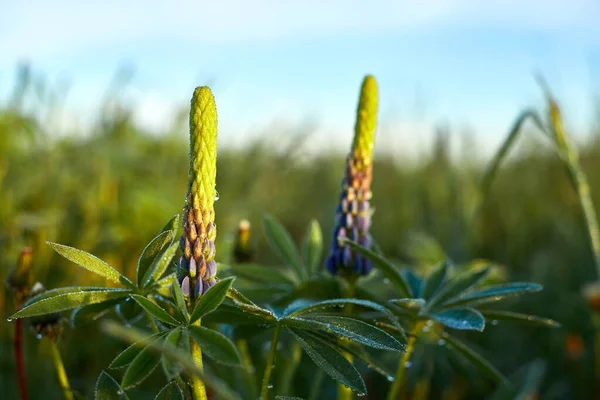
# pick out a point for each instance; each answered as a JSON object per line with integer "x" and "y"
{"x": 93, "y": 143}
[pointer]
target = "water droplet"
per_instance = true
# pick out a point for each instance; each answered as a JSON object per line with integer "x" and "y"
{"x": 386, "y": 281}
{"x": 9, "y": 319}
{"x": 429, "y": 323}
{"x": 120, "y": 392}
{"x": 407, "y": 364}
{"x": 270, "y": 386}
{"x": 217, "y": 197}
{"x": 426, "y": 328}
{"x": 390, "y": 378}
{"x": 361, "y": 394}
{"x": 39, "y": 336}
{"x": 494, "y": 322}
{"x": 441, "y": 342}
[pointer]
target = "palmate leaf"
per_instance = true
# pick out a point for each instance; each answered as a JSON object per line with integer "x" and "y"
{"x": 170, "y": 392}
{"x": 475, "y": 358}
{"x": 457, "y": 285}
{"x": 387, "y": 269}
{"x": 131, "y": 335}
{"x": 215, "y": 345}
{"x": 460, "y": 318}
{"x": 415, "y": 283}
{"x": 312, "y": 247}
{"x": 350, "y": 328}
{"x": 126, "y": 356}
{"x": 494, "y": 315}
{"x": 330, "y": 360}
{"x": 212, "y": 299}
{"x": 436, "y": 280}
{"x": 151, "y": 254}
{"x": 141, "y": 366}
{"x": 92, "y": 312}
{"x": 261, "y": 273}
{"x": 107, "y": 388}
{"x": 91, "y": 263}
{"x": 57, "y": 300}
{"x": 156, "y": 311}
{"x": 282, "y": 244}
{"x": 493, "y": 293}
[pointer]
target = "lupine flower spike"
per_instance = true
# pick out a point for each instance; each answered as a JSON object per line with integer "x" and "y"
{"x": 353, "y": 214}
{"x": 197, "y": 266}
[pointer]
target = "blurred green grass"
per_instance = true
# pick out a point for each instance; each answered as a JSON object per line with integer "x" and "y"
{"x": 109, "y": 190}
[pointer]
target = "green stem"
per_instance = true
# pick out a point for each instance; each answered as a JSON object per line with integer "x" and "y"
{"x": 60, "y": 371}
{"x": 344, "y": 392}
{"x": 248, "y": 368}
{"x": 316, "y": 384}
{"x": 264, "y": 391}
{"x": 290, "y": 369}
{"x": 398, "y": 385}
{"x": 198, "y": 388}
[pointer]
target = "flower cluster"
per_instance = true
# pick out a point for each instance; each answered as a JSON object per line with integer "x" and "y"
{"x": 197, "y": 267}
{"x": 353, "y": 214}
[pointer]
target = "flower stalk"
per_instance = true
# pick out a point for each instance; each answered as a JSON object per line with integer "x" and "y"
{"x": 264, "y": 391}
{"x": 60, "y": 370}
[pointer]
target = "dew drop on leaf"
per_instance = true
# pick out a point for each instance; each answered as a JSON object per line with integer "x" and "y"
{"x": 494, "y": 322}
{"x": 408, "y": 364}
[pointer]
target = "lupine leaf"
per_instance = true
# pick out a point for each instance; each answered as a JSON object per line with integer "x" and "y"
{"x": 409, "y": 303}
{"x": 387, "y": 269}
{"x": 176, "y": 336}
{"x": 493, "y": 315}
{"x": 212, "y": 299}
{"x": 312, "y": 247}
{"x": 435, "y": 280}
{"x": 215, "y": 345}
{"x": 230, "y": 314}
{"x": 91, "y": 263}
{"x": 170, "y": 392}
{"x": 351, "y": 328}
{"x": 330, "y": 360}
{"x": 415, "y": 283}
{"x": 475, "y": 358}
{"x": 172, "y": 225}
{"x": 107, "y": 388}
{"x": 91, "y": 313}
{"x": 180, "y": 300}
{"x": 151, "y": 254}
{"x": 460, "y": 318}
{"x": 126, "y": 356}
{"x": 261, "y": 273}
{"x": 161, "y": 265}
{"x": 131, "y": 335}
{"x": 282, "y": 244}
{"x": 59, "y": 300}
{"x": 457, "y": 285}
{"x": 494, "y": 293}
{"x": 140, "y": 367}
{"x": 155, "y": 310}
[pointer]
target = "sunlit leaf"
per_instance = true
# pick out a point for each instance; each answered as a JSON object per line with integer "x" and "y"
{"x": 151, "y": 254}
{"x": 215, "y": 345}
{"x": 312, "y": 247}
{"x": 330, "y": 360}
{"x": 161, "y": 265}
{"x": 155, "y": 310}
{"x": 351, "y": 328}
{"x": 91, "y": 263}
{"x": 387, "y": 269}
{"x": 409, "y": 303}
{"x": 282, "y": 244}
{"x": 460, "y": 318}
{"x": 211, "y": 300}
{"x": 107, "y": 388}
{"x": 53, "y": 301}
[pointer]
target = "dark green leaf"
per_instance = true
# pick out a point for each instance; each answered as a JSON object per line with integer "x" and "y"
{"x": 92, "y": 312}
{"x": 435, "y": 280}
{"x": 457, "y": 285}
{"x": 151, "y": 254}
{"x": 282, "y": 244}
{"x": 180, "y": 300}
{"x": 211, "y": 299}
{"x": 175, "y": 337}
{"x": 108, "y": 389}
{"x": 415, "y": 283}
{"x": 57, "y": 300}
{"x": 91, "y": 263}
{"x": 131, "y": 335}
{"x": 409, "y": 303}
{"x": 141, "y": 367}
{"x": 162, "y": 264}
{"x": 230, "y": 314}
{"x": 288, "y": 398}
{"x": 126, "y": 356}
{"x": 525, "y": 384}
{"x": 387, "y": 269}
{"x": 351, "y": 328}
{"x": 460, "y": 318}
{"x": 330, "y": 360}
{"x": 260, "y": 273}
{"x": 475, "y": 358}
{"x": 155, "y": 310}
{"x": 312, "y": 247}
{"x": 493, "y": 315}
{"x": 170, "y": 392}
{"x": 494, "y": 293}
{"x": 215, "y": 345}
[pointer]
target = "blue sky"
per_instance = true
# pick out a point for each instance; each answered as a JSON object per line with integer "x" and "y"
{"x": 278, "y": 63}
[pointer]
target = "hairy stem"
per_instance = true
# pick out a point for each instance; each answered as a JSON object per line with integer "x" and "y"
{"x": 198, "y": 388}
{"x": 264, "y": 391}
{"x": 20, "y": 360}
{"x": 398, "y": 385}
{"x": 60, "y": 371}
